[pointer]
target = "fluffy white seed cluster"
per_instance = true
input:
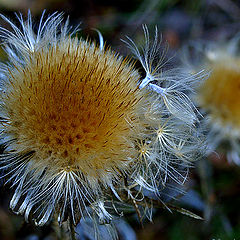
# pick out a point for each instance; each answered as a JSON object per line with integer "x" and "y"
{"x": 82, "y": 131}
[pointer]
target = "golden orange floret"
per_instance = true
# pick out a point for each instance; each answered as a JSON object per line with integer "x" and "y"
{"x": 74, "y": 105}
{"x": 220, "y": 93}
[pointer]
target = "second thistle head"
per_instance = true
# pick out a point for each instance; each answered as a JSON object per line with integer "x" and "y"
{"x": 218, "y": 96}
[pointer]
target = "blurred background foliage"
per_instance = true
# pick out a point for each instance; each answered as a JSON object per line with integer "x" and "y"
{"x": 214, "y": 184}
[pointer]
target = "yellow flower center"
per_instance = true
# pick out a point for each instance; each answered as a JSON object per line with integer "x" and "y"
{"x": 74, "y": 105}
{"x": 220, "y": 94}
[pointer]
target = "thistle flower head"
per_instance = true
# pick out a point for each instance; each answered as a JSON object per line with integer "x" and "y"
{"x": 81, "y": 128}
{"x": 218, "y": 96}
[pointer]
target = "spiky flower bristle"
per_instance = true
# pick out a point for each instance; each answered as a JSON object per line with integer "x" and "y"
{"x": 72, "y": 105}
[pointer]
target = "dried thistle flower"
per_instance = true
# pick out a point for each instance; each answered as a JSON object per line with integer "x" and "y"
{"x": 218, "y": 96}
{"x": 81, "y": 128}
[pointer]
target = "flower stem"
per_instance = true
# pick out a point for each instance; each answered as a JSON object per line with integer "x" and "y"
{"x": 71, "y": 229}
